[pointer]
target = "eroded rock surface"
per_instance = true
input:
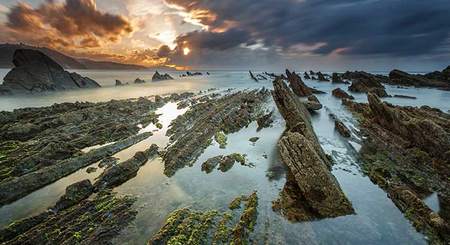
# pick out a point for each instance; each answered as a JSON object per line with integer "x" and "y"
{"x": 36, "y": 72}
{"x": 193, "y": 131}
{"x": 406, "y": 151}
{"x": 341, "y": 94}
{"x": 315, "y": 188}
{"x": 298, "y": 86}
{"x": 185, "y": 226}
{"x": 436, "y": 79}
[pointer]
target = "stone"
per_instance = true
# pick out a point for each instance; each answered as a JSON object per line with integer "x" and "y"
{"x": 341, "y": 94}
{"x": 91, "y": 170}
{"x": 313, "y": 104}
{"x": 341, "y": 128}
{"x": 119, "y": 83}
{"x": 402, "y": 78}
{"x": 74, "y": 194}
{"x": 122, "y": 172}
{"x": 365, "y": 83}
{"x": 264, "y": 121}
{"x": 161, "y": 77}
{"x": 336, "y": 78}
{"x": 36, "y": 72}
{"x": 138, "y": 80}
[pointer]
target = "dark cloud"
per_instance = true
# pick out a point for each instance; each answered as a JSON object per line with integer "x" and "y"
{"x": 76, "y": 23}
{"x": 356, "y": 27}
{"x": 213, "y": 40}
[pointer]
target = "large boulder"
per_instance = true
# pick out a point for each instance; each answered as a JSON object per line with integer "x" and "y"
{"x": 341, "y": 94}
{"x": 36, "y": 72}
{"x": 363, "y": 82}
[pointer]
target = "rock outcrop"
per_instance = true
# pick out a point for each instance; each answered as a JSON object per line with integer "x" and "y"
{"x": 120, "y": 173}
{"x": 298, "y": 86}
{"x": 406, "y": 151}
{"x": 138, "y": 80}
{"x": 337, "y": 78}
{"x": 436, "y": 80}
{"x": 193, "y": 131}
{"x": 341, "y": 94}
{"x": 321, "y": 77}
{"x": 161, "y": 77}
{"x": 313, "y": 104}
{"x": 317, "y": 192}
{"x": 363, "y": 82}
{"x": 36, "y": 72}
{"x": 119, "y": 83}
{"x": 74, "y": 194}
{"x": 306, "y": 75}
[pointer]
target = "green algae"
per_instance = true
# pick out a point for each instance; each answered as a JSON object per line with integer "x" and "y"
{"x": 185, "y": 226}
{"x": 221, "y": 139}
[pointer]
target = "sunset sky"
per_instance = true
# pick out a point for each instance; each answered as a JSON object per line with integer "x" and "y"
{"x": 334, "y": 34}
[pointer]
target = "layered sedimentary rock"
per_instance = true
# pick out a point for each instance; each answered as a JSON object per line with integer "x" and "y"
{"x": 406, "y": 151}
{"x": 192, "y": 132}
{"x": 363, "y": 82}
{"x": 313, "y": 104}
{"x": 315, "y": 188}
{"x": 341, "y": 94}
{"x": 438, "y": 80}
{"x": 337, "y": 78}
{"x": 41, "y": 145}
{"x": 298, "y": 86}
{"x": 186, "y": 226}
{"x": 161, "y": 77}
{"x": 124, "y": 171}
{"x": 36, "y": 72}
{"x": 138, "y": 80}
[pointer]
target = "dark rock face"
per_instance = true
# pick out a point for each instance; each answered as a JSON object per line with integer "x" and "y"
{"x": 364, "y": 83}
{"x": 120, "y": 173}
{"x": 253, "y": 76}
{"x": 306, "y": 76}
{"x": 443, "y": 75}
{"x": 312, "y": 184}
{"x": 404, "y": 96}
{"x": 406, "y": 152}
{"x": 74, "y": 194}
{"x": 313, "y": 104}
{"x": 337, "y": 78}
{"x": 36, "y": 72}
{"x": 437, "y": 80}
{"x": 120, "y": 83}
{"x": 341, "y": 128}
{"x": 298, "y": 86}
{"x": 265, "y": 121}
{"x": 341, "y": 94}
{"x": 321, "y": 77}
{"x": 138, "y": 80}
{"x": 161, "y": 77}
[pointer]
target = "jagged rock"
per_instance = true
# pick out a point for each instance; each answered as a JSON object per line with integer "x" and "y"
{"x": 253, "y": 139}
{"x": 306, "y": 76}
{"x": 124, "y": 171}
{"x": 253, "y": 76}
{"x": 357, "y": 75}
{"x": 161, "y": 77}
{"x": 406, "y": 152}
{"x": 191, "y": 74}
{"x": 402, "y": 78}
{"x": 322, "y": 77}
{"x": 365, "y": 83}
{"x": 94, "y": 220}
{"x": 313, "y": 104}
{"x": 74, "y": 194}
{"x": 36, "y": 72}
{"x": 443, "y": 75}
{"x": 138, "y": 80}
{"x": 119, "y": 83}
{"x": 265, "y": 121}
{"x": 108, "y": 162}
{"x": 336, "y": 78}
{"x": 339, "y": 93}
{"x": 341, "y": 128}
{"x": 301, "y": 152}
{"x": 298, "y": 86}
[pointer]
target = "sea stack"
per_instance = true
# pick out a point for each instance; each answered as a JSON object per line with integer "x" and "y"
{"x": 36, "y": 72}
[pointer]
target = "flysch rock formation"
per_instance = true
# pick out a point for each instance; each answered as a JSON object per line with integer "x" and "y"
{"x": 406, "y": 151}
{"x": 298, "y": 86}
{"x": 436, "y": 79}
{"x": 35, "y": 72}
{"x": 311, "y": 191}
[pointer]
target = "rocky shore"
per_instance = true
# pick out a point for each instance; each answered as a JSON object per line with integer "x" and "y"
{"x": 311, "y": 191}
{"x": 406, "y": 152}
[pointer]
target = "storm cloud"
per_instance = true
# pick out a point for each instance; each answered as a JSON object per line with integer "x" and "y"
{"x": 74, "y": 23}
{"x": 352, "y": 27}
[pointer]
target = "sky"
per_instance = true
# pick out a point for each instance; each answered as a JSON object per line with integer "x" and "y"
{"x": 239, "y": 34}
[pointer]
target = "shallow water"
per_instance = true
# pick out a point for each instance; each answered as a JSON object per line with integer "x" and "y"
{"x": 377, "y": 220}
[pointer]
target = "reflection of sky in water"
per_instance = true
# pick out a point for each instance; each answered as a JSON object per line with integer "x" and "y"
{"x": 377, "y": 220}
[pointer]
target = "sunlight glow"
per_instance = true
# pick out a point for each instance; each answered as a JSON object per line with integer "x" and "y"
{"x": 186, "y": 51}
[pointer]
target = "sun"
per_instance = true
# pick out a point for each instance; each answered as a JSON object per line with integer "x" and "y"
{"x": 186, "y": 51}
